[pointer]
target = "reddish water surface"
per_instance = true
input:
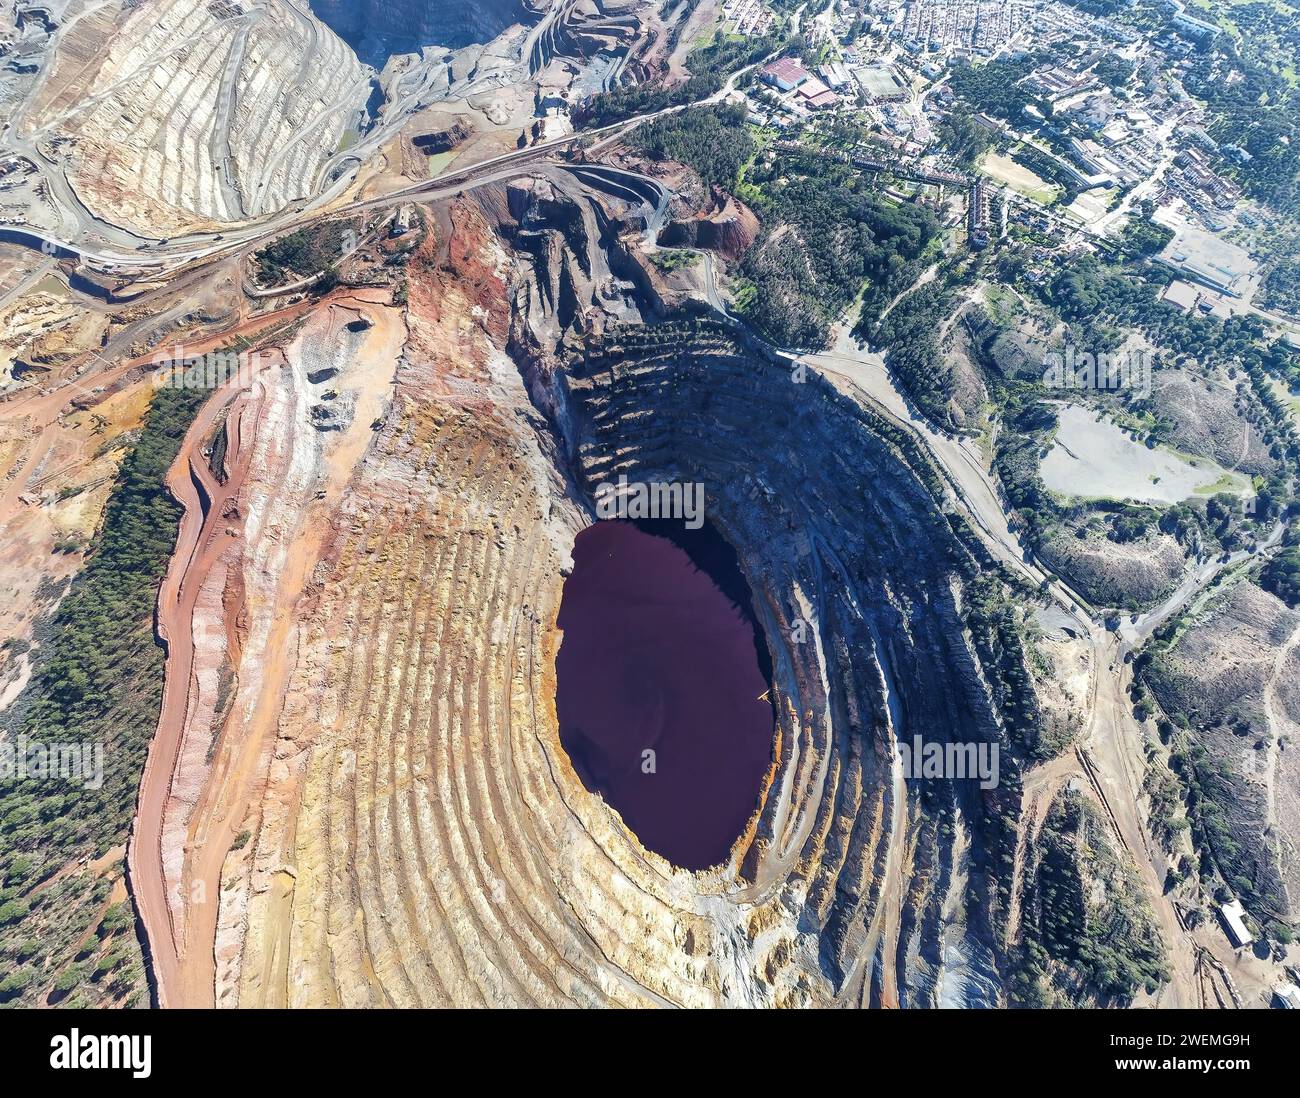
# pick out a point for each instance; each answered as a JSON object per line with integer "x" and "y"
{"x": 656, "y": 657}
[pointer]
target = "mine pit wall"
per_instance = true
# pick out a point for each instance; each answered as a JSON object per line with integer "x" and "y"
{"x": 828, "y": 518}
{"x": 413, "y": 23}
{"x": 245, "y": 529}
{"x": 779, "y": 833}
{"x": 194, "y": 119}
{"x": 566, "y": 246}
{"x": 415, "y": 832}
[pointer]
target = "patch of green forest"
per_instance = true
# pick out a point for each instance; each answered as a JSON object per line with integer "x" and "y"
{"x": 710, "y": 66}
{"x": 909, "y": 336}
{"x": 301, "y": 253}
{"x": 1080, "y": 948}
{"x": 1281, "y": 575}
{"x": 1002, "y": 636}
{"x": 713, "y": 140}
{"x": 1281, "y": 289}
{"x": 98, "y": 679}
{"x": 994, "y": 87}
{"x": 828, "y": 235}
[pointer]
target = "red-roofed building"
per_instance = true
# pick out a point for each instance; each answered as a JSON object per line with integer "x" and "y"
{"x": 816, "y": 95}
{"x": 785, "y": 73}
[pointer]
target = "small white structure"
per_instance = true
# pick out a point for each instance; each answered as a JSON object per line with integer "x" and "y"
{"x": 1234, "y": 922}
{"x": 1286, "y": 996}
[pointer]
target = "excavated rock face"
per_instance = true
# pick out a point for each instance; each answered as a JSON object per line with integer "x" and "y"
{"x": 852, "y": 568}
{"x": 377, "y": 28}
{"x": 726, "y": 226}
{"x": 592, "y": 25}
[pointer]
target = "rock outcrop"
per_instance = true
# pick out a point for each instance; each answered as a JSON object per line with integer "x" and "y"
{"x": 856, "y": 577}
{"x": 726, "y": 226}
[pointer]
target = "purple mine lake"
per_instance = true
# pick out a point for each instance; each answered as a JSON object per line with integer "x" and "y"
{"x": 661, "y": 655}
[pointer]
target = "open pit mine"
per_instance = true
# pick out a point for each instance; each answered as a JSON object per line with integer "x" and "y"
{"x": 475, "y": 610}
{"x": 359, "y": 756}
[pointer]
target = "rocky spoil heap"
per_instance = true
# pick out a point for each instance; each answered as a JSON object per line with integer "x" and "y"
{"x": 177, "y": 115}
{"x": 1229, "y": 681}
{"x": 262, "y": 466}
{"x": 726, "y": 225}
{"x": 577, "y": 271}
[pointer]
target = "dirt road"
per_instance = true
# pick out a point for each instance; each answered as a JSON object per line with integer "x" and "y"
{"x": 193, "y": 803}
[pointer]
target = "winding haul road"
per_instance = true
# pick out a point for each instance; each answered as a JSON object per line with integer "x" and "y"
{"x": 203, "y": 498}
{"x": 171, "y": 256}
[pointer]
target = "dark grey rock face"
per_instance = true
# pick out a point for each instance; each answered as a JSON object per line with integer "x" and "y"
{"x": 856, "y": 576}
{"x": 378, "y": 28}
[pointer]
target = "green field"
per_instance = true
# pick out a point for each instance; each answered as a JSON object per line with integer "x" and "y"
{"x": 1020, "y": 179}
